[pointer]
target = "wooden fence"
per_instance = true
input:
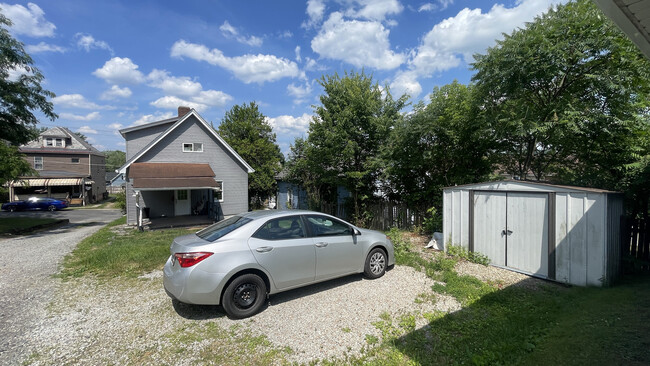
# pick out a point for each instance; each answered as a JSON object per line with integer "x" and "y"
{"x": 636, "y": 243}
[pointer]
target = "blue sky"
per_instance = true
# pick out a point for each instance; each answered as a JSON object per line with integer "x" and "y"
{"x": 115, "y": 64}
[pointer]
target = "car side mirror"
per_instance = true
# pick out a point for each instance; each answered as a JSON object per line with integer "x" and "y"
{"x": 356, "y": 231}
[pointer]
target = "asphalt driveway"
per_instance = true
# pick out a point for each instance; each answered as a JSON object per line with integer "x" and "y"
{"x": 27, "y": 264}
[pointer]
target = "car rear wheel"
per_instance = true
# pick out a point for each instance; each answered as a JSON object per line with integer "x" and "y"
{"x": 244, "y": 296}
{"x": 375, "y": 264}
{"x": 12, "y": 208}
{"x": 51, "y": 208}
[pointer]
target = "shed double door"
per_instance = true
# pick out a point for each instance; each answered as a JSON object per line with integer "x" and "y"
{"x": 511, "y": 228}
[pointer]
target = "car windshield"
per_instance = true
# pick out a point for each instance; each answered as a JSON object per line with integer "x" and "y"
{"x": 223, "y": 227}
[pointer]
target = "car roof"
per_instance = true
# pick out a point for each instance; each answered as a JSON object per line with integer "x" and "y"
{"x": 265, "y": 214}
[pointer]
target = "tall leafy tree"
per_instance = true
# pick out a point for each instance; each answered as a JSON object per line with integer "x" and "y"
{"x": 248, "y": 131}
{"x": 563, "y": 95}
{"x": 114, "y": 159}
{"x": 437, "y": 145}
{"x": 19, "y": 98}
{"x": 351, "y": 123}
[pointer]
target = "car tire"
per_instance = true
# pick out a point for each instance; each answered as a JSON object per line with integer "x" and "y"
{"x": 12, "y": 208}
{"x": 244, "y": 296}
{"x": 376, "y": 262}
{"x": 51, "y": 208}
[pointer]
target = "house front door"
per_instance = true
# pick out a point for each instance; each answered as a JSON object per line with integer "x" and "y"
{"x": 181, "y": 202}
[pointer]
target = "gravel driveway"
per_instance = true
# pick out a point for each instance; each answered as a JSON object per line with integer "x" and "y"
{"x": 26, "y": 285}
{"x": 132, "y": 321}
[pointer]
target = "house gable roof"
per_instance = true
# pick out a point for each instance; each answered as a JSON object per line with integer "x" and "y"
{"x": 179, "y": 122}
{"x": 78, "y": 145}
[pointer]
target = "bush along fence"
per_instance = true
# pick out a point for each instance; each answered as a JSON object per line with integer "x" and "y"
{"x": 636, "y": 244}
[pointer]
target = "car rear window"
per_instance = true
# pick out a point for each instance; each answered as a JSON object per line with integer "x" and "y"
{"x": 223, "y": 227}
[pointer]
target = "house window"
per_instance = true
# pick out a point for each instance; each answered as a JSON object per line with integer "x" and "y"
{"x": 38, "y": 162}
{"x": 48, "y": 142}
{"x": 218, "y": 191}
{"x": 193, "y": 147}
{"x": 59, "y": 142}
{"x": 74, "y": 160}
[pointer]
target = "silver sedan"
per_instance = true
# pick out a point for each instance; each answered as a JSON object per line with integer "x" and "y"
{"x": 239, "y": 261}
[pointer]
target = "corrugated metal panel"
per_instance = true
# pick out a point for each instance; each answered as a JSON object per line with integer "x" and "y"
{"x": 47, "y": 182}
{"x": 527, "y": 242}
{"x": 489, "y": 222}
{"x": 586, "y": 229}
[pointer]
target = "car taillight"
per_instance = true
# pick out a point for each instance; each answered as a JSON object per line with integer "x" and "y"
{"x": 190, "y": 259}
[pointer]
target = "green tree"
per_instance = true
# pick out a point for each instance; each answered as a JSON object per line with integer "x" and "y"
{"x": 563, "y": 95}
{"x": 20, "y": 97}
{"x": 436, "y": 146}
{"x": 248, "y": 131}
{"x": 114, "y": 159}
{"x": 12, "y": 163}
{"x": 352, "y": 122}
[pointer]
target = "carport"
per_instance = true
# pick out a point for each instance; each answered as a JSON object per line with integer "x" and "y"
{"x": 562, "y": 233}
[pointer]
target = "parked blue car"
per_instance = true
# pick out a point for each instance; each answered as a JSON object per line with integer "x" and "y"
{"x": 36, "y": 203}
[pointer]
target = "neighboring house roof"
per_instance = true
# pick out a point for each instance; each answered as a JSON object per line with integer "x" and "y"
{"x": 77, "y": 146}
{"x": 117, "y": 176}
{"x": 179, "y": 121}
{"x": 172, "y": 175}
{"x": 110, "y": 176}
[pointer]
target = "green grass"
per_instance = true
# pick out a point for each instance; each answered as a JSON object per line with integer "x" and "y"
{"x": 547, "y": 324}
{"x": 9, "y": 225}
{"x": 519, "y": 325}
{"x": 110, "y": 254}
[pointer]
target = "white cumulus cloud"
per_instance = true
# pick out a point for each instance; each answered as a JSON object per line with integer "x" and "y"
{"x": 375, "y": 9}
{"x": 315, "y": 11}
{"x": 29, "y": 20}
{"x": 76, "y": 101}
{"x": 360, "y": 43}
{"x": 116, "y": 92}
{"x": 248, "y": 68}
{"x": 290, "y": 124}
{"x": 88, "y": 42}
{"x": 43, "y": 47}
{"x": 75, "y": 117}
{"x": 120, "y": 70}
{"x": 87, "y": 129}
{"x": 300, "y": 92}
{"x": 182, "y": 89}
{"x": 172, "y": 102}
{"x": 231, "y": 32}
{"x": 144, "y": 119}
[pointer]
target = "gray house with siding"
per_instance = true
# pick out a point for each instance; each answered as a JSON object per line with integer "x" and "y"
{"x": 181, "y": 166}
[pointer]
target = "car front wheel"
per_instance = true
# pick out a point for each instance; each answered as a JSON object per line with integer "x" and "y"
{"x": 375, "y": 264}
{"x": 244, "y": 296}
{"x": 51, "y": 208}
{"x": 12, "y": 208}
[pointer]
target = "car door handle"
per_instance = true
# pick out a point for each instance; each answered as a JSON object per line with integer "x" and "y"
{"x": 321, "y": 244}
{"x": 506, "y": 232}
{"x": 264, "y": 249}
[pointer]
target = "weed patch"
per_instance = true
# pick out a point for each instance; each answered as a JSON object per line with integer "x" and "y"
{"x": 129, "y": 253}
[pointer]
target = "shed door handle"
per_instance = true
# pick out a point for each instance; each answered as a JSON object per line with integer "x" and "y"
{"x": 264, "y": 249}
{"x": 321, "y": 244}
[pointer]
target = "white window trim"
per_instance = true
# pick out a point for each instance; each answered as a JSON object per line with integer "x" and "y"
{"x": 58, "y": 142}
{"x": 42, "y": 162}
{"x": 222, "y": 190}
{"x": 193, "y": 147}
{"x": 49, "y": 141}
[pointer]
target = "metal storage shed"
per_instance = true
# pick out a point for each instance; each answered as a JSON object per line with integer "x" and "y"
{"x": 562, "y": 233}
